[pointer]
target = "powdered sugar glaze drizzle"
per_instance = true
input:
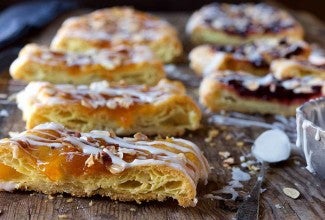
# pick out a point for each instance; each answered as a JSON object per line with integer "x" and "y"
{"x": 145, "y": 152}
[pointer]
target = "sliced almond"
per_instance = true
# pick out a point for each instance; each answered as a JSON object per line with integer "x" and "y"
{"x": 291, "y": 192}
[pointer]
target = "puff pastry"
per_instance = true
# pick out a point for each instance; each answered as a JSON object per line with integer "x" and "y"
{"x": 162, "y": 109}
{"x": 51, "y": 159}
{"x": 239, "y": 23}
{"x": 133, "y": 65}
{"x": 118, "y": 25}
{"x": 284, "y": 69}
{"x": 242, "y": 92}
{"x": 253, "y": 57}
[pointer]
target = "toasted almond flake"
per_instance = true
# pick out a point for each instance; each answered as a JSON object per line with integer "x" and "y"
{"x": 90, "y": 161}
{"x": 228, "y": 137}
{"x": 111, "y": 104}
{"x": 229, "y": 161}
{"x": 252, "y": 85}
{"x": 114, "y": 168}
{"x": 140, "y": 137}
{"x": 224, "y": 154}
{"x": 253, "y": 168}
{"x": 291, "y": 192}
{"x": 239, "y": 143}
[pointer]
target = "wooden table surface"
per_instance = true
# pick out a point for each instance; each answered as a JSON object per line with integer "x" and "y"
{"x": 236, "y": 139}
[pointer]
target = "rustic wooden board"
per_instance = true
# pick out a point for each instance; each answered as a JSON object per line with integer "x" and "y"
{"x": 274, "y": 203}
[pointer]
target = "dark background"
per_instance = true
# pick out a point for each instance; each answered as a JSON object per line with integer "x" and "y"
{"x": 316, "y": 7}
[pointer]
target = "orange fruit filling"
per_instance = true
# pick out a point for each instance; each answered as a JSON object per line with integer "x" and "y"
{"x": 8, "y": 173}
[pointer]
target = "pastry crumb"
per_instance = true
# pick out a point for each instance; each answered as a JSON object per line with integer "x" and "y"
{"x": 291, "y": 192}
{"x": 91, "y": 203}
{"x": 69, "y": 200}
{"x": 63, "y": 216}
{"x": 224, "y": 154}
{"x": 50, "y": 197}
{"x": 229, "y": 161}
{"x": 212, "y": 133}
{"x": 133, "y": 209}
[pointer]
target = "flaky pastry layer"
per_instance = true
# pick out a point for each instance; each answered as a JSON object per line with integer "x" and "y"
{"x": 284, "y": 69}
{"x": 133, "y": 65}
{"x": 162, "y": 109}
{"x": 118, "y": 25}
{"x": 52, "y": 159}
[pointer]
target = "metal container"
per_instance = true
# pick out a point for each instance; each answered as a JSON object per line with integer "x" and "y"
{"x": 311, "y": 134}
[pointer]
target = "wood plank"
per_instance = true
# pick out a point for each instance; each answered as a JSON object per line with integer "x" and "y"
{"x": 274, "y": 204}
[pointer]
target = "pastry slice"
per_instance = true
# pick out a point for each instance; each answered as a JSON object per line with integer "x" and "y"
{"x": 51, "y": 159}
{"x": 118, "y": 25}
{"x": 133, "y": 65}
{"x": 242, "y": 92}
{"x": 162, "y": 109}
{"x": 284, "y": 69}
{"x": 253, "y": 57}
{"x": 240, "y": 23}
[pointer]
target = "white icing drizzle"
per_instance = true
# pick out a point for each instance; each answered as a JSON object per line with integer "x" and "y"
{"x": 108, "y": 58}
{"x": 146, "y": 152}
{"x": 97, "y": 94}
{"x": 317, "y": 135}
{"x": 308, "y": 155}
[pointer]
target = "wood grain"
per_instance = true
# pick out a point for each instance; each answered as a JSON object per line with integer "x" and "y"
{"x": 274, "y": 203}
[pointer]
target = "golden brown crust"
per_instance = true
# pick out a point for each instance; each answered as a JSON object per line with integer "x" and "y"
{"x": 52, "y": 159}
{"x": 240, "y": 23}
{"x": 246, "y": 93}
{"x": 284, "y": 69}
{"x": 254, "y": 57}
{"x": 133, "y": 65}
{"x": 163, "y": 109}
{"x": 118, "y": 25}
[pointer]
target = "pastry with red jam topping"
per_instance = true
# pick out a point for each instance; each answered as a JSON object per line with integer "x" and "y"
{"x": 238, "y": 23}
{"x": 243, "y": 92}
{"x": 161, "y": 109}
{"x": 52, "y": 159}
{"x": 131, "y": 64}
{"x": 253, "y": 57}
{"x": 109, "y": 27}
